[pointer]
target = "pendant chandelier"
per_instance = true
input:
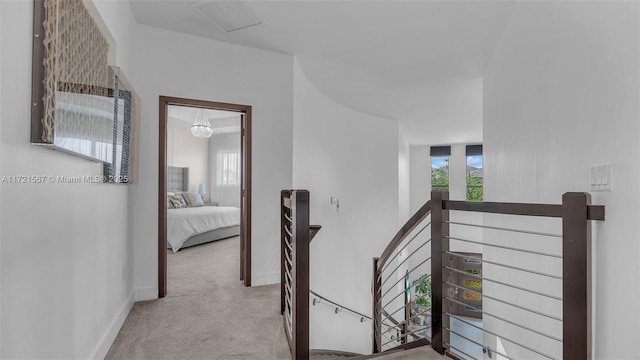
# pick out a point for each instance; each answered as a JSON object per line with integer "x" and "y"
{"x": 201, "y": 127}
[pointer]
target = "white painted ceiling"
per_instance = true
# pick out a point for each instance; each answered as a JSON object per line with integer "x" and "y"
{"x": 222, "y": 122}
{"x": 418, "y": 62}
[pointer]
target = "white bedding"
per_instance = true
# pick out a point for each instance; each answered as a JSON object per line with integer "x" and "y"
{"x": 187, "y": 222}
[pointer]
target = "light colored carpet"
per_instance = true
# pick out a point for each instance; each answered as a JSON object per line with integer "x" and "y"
{"x": 207, "y": 314}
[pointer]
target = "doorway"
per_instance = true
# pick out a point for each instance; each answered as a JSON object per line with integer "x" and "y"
{"x": 245, "y": 183}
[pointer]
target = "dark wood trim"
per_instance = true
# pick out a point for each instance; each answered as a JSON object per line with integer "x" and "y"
{"x": 162, "y": 194}
{"x": 294, "y": 261}
{"x": 411, "y": 224}
{"x": 376, "y": 288}
{"x": 245, "y": 204}
{"x": 245, "y": 239}
{"x": 595, "y": 212}
{"x": 300, "y": 212}
{"x": 206, "y": 104}
{"x": 37, "y": 74}
{"x": 576, "y": 274}
{"x": 505, "y": 208}
{"x": 439, "y": 244}
{"x": 284, "y": 194}
{"x": 313, "y": 231}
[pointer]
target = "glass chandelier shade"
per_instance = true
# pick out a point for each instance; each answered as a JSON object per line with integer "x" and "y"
{"x": 201, "y": 127}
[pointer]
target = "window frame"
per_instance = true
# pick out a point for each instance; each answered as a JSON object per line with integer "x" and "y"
{"x": 440, "y": 152}
{"x": 474, "y": 151}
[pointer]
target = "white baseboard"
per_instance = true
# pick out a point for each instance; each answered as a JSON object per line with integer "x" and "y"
{"x": 147, "y": 293}
{"x": 104, "y": 344}
{"x": 265, "y": 279}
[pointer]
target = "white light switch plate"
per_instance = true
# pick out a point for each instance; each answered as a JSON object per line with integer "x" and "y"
{"x": 601, "y": 177}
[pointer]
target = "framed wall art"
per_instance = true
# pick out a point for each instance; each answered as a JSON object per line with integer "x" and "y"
{"x": 80, "y": 104}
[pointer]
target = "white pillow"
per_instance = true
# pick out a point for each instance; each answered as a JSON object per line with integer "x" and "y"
{"x": 194, "y": 199}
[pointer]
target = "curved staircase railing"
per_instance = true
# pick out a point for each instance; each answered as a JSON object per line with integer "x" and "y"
{"x": 425, "y": 288}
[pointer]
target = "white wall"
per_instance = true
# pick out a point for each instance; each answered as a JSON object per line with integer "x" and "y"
{"x": 420, "y": 170}
{"x": 560, "y": 93}
{"x": 66, "y": 257}
{"x": 353, "y": 156}
{"x": 1, "y": 113}
{"x": 186, "y": 150}
{"x": 404, "y": 178}
{"x": 186, "y": 66}
{"x": 421, "y": 191}
{"x": 420, "y": 176}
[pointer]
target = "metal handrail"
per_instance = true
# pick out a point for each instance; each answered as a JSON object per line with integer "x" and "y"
{"x": 574, "y": 212}
{"x": 504, "y": 284}
{"x": 505, "y": 302}
{"x": 504, "y": 229}
{"x": 362, "y": 316}
{"x": 428, "y": 277}
{"x": 505, "y": 320}
{"x": 407, "y": 244}
{"x": 420, "y": 215}
{"x": 504, "y": 247}
{"x": 504, "y": 265}
{"x": 401, "y": 279}
{"x": 403, "y": 261}
{"x": 459, "y": 318}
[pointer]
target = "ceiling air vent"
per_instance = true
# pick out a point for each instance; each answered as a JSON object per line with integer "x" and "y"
{"x": 228, "y": 15}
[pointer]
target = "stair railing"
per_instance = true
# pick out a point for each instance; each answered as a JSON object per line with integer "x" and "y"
{"x": 398, "y": 320}
{"x": 405, "y": 266}
{"x": 338, "y": 307}
{"x": 294, "y": 275}
{"x": 416, "y": 285}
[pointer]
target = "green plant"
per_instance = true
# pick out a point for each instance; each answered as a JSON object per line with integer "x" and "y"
{"x": 422, "y": 288}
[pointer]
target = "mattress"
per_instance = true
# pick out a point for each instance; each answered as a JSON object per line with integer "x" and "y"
{"x": 187, "y": 222}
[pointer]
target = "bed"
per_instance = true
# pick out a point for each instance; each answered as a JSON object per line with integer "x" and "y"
{"x": 192, "y": 226}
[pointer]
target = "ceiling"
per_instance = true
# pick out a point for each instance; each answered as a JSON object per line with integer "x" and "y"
{"x": 221, "y": 121}
{"x": 418, "y": 62}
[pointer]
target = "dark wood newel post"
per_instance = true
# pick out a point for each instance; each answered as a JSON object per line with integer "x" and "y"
{"x": 438, "y": 244}
{"x": 300, "y": 207}
{"x": 576, "y": 274}
{"x": 283, "y": 194}
{"x": 376, "y": 288}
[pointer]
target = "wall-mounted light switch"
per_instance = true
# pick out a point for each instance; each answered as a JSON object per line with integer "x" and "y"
{"x": 335, "y": 201}
{"x": 601, "y": 177}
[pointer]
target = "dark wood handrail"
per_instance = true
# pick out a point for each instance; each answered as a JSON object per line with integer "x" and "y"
{"x": 313, "y": 231}
{"x": 594, "y": 212}
{"x": 576, "y": 211}
{"x": 420, "y": 215}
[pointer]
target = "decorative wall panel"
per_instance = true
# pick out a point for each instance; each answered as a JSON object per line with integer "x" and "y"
{"x": 81, "y": 105}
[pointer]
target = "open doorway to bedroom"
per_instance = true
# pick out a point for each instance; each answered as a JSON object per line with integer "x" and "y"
{"x": 204, "y": 196}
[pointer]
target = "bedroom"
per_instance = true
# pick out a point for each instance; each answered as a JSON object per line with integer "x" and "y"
{"x": 203, "y": 188}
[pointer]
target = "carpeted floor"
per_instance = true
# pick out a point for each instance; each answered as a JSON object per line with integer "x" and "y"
{"x": 207, "y": 314}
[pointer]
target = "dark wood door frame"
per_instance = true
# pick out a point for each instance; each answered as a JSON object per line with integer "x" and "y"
{"x": 245, "y": 202}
